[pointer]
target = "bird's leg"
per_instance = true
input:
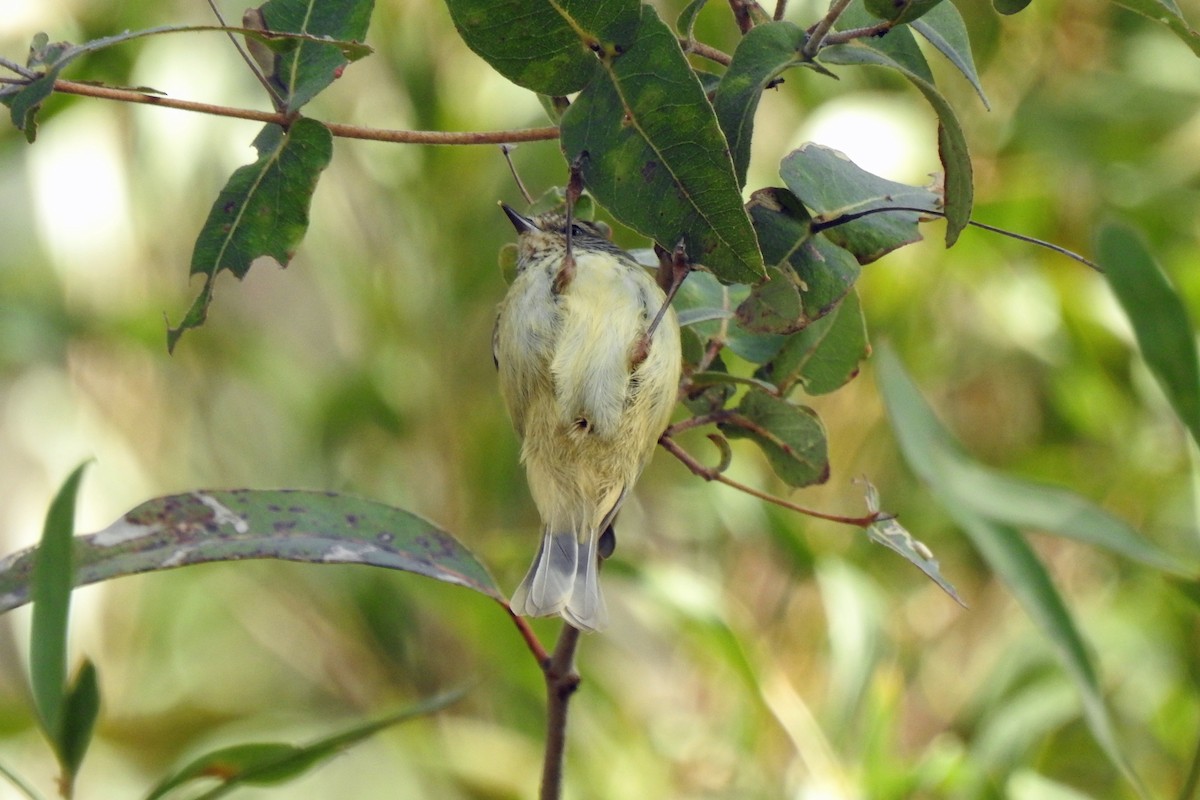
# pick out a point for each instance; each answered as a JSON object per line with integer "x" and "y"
{"x": 574, "y": 189}
{"x": 671, "y": 274}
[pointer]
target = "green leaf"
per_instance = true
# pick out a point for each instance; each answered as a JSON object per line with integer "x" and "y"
{"x": 270, "y": 762}
{"x": 944, "y": 28}
{"x": 1168, "y": 13}
{"x": 262, "y": 211}
{"x": 80, "y": 711}
{"x": 311, "y": 527}
{"x": 901, "y": 11}
{"x": 1160, "y": 320}
{"x": 549, "y": 47}
{"x": 825, "y": 355}
{"x": 952, "y": 144}
{"x": 1010, "y": 6}
{"x": 707, "y": 308}
{"x": 774, "y": 305}
{"x": 49, "y": 576}
{"x": 833, "y": 187}
{"x": 935, "y": 457}
{"x": 939, "y": 459}
{"x": 308, "y": 67}
{"x": 823, "y": 271}
{"x": 655, "y": 155}
{"x": 762, "y": 55}
{"x": 897, "y": 45}
{"x": 791, "y": 436}
{"x": 686, "y": 22}
{"x": 892, "y": 535}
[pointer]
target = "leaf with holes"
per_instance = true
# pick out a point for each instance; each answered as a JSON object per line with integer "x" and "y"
{"x": 311, "y": 527}
{"x": 262, "y": 211}
{"x": 652, "y": 153}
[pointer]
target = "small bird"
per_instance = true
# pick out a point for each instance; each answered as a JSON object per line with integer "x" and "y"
{"x": 590, "y": 385}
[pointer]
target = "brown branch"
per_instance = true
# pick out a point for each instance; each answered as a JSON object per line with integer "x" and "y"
{"x": 841, "y": 37}
{"x": 705, "y": 51}
{"x": 337, "y": 129}
{"x": 561, "y": 682}
{"x": 708, "y": 474}
{"x": 531, "y": 641}
{"x": 816, "y": 34}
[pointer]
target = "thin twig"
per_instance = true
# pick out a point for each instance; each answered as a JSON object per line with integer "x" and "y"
{"x": 531, "y": 641}
{"x": 705, "y": 51}
{"x": 337, "y": 129}
{"x": 841, "y": 37}
{"x": 24, "y": 72}
{"x": 816, "y": 36}
{"x": 708, "y": 474}
{"x": 561, "y": 682}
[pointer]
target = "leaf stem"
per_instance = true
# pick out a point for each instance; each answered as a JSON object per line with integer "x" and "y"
{"x": 337, "y": 129}
{"x": 866, "y": 32}
{"x": 709, "y": 474}
{"x": 705, "y": 51}
{"x": 531, "y": 641}
{"x": 561, "y": 682}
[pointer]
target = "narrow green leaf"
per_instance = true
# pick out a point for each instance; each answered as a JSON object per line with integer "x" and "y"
{"x": 791, "y": 436}
{"x": 1010, "y": 6}
{"x": 944, "y": 28}
{"x": 19, "y": 783}
{"x": 80, "y": 711}
{"x": 49, "y": 576}
{"x": 307, "y": 67}
{"x": 898, "y": 45}
{"x": 272, "y": 763}
{"x": 935, "y": 457}
{"x": 311, "y": 527}
{"x": 892, "y": 535}
{"x": 952, "y": 143}
{"x": 824, "y": 356}
{"x": 1160, "y": 321}
{"x": 262, "y": 211}
{"x": 824, "y": 271}
{"x": 762, "y": 55}
{"x": 1168, "y": 13}
{"x": 653, "y": 154}
{"x": 833, "y": 187}
{"x": 548, "y": 47}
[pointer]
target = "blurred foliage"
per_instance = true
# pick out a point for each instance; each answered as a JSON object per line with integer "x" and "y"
{"x": 754, "y": 653}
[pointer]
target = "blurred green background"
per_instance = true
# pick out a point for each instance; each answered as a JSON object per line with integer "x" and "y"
{"x": 753, "y": 653}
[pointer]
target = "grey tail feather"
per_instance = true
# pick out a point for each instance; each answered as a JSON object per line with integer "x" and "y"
{"x": 547, "y": 586}
{"x": 586, "y": 610}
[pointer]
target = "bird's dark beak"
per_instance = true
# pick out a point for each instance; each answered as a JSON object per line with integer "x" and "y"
{"x": 522, "y": 223}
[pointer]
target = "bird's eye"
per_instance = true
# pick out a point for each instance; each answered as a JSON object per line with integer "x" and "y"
{"x": 577, "y": 230}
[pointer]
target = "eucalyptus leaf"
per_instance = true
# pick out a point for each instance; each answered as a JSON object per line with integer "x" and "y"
{"x": 762, "y": 55}
{"x": 952, "y": 143}
{"x": 791, "y": 436}
{"x": 268, "y": 763}
{"x": 232, "y": 525}
{"x": 652, "y": 153}
{"x": 262, "y": 211}
{"x": 548, "y": 47}
{"x": 833, "y": 187}
{"x": 308, "y": 66}
{"x": 943, "y": 27}
{"x": 1160, "y": 320}
{"x": 1165, "y": 11}
{"x": 888, "y": 532}
{"x": 935, "y": 457}
{"x": 825, "y": 355}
